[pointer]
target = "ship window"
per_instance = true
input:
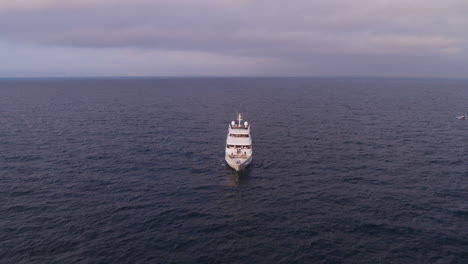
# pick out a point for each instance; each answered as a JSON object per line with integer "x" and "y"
{"x": 239, "y": 146}
{"x": 238, "y": 135}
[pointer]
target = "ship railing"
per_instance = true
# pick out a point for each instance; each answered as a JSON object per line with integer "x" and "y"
{"x": 239, "y": 127}
{"x": 238, "y": 156}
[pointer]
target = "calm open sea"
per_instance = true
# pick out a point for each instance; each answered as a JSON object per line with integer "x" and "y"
{"x": 345, "y": 170}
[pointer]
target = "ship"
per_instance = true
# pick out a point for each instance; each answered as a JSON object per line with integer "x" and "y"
{"x": 238, "y": 144}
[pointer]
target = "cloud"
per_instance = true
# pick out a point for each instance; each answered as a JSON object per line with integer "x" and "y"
{"x": 287, "y": 32}
{"x": 17, "y": 5}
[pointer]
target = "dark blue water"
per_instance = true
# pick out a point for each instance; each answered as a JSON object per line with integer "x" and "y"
{"x": 132, "y": 171}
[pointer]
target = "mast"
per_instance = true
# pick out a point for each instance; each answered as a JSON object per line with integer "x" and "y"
{"x": 239, "y": 118}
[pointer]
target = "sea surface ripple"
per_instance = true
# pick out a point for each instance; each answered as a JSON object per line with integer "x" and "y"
{"x": 345, "y": 170}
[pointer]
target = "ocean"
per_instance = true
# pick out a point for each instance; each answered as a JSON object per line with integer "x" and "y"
{"x": 131, "y": 170}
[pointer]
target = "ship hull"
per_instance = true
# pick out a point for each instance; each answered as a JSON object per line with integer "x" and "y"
{"x": 238, "y": 164}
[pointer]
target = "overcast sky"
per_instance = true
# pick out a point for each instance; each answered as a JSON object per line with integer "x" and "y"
{"x": 410, "y": 38}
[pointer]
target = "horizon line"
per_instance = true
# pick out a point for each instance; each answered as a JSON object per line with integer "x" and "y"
{"x": 233, "y": 77}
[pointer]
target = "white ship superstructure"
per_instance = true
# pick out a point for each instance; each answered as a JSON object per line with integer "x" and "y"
{"x": 238, "y": 144}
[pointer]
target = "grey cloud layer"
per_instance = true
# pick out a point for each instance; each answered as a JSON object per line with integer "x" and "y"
{"x": 353, "y": 33}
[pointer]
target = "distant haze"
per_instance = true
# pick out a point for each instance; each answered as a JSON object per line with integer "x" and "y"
{"x": 417, "y": 38}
